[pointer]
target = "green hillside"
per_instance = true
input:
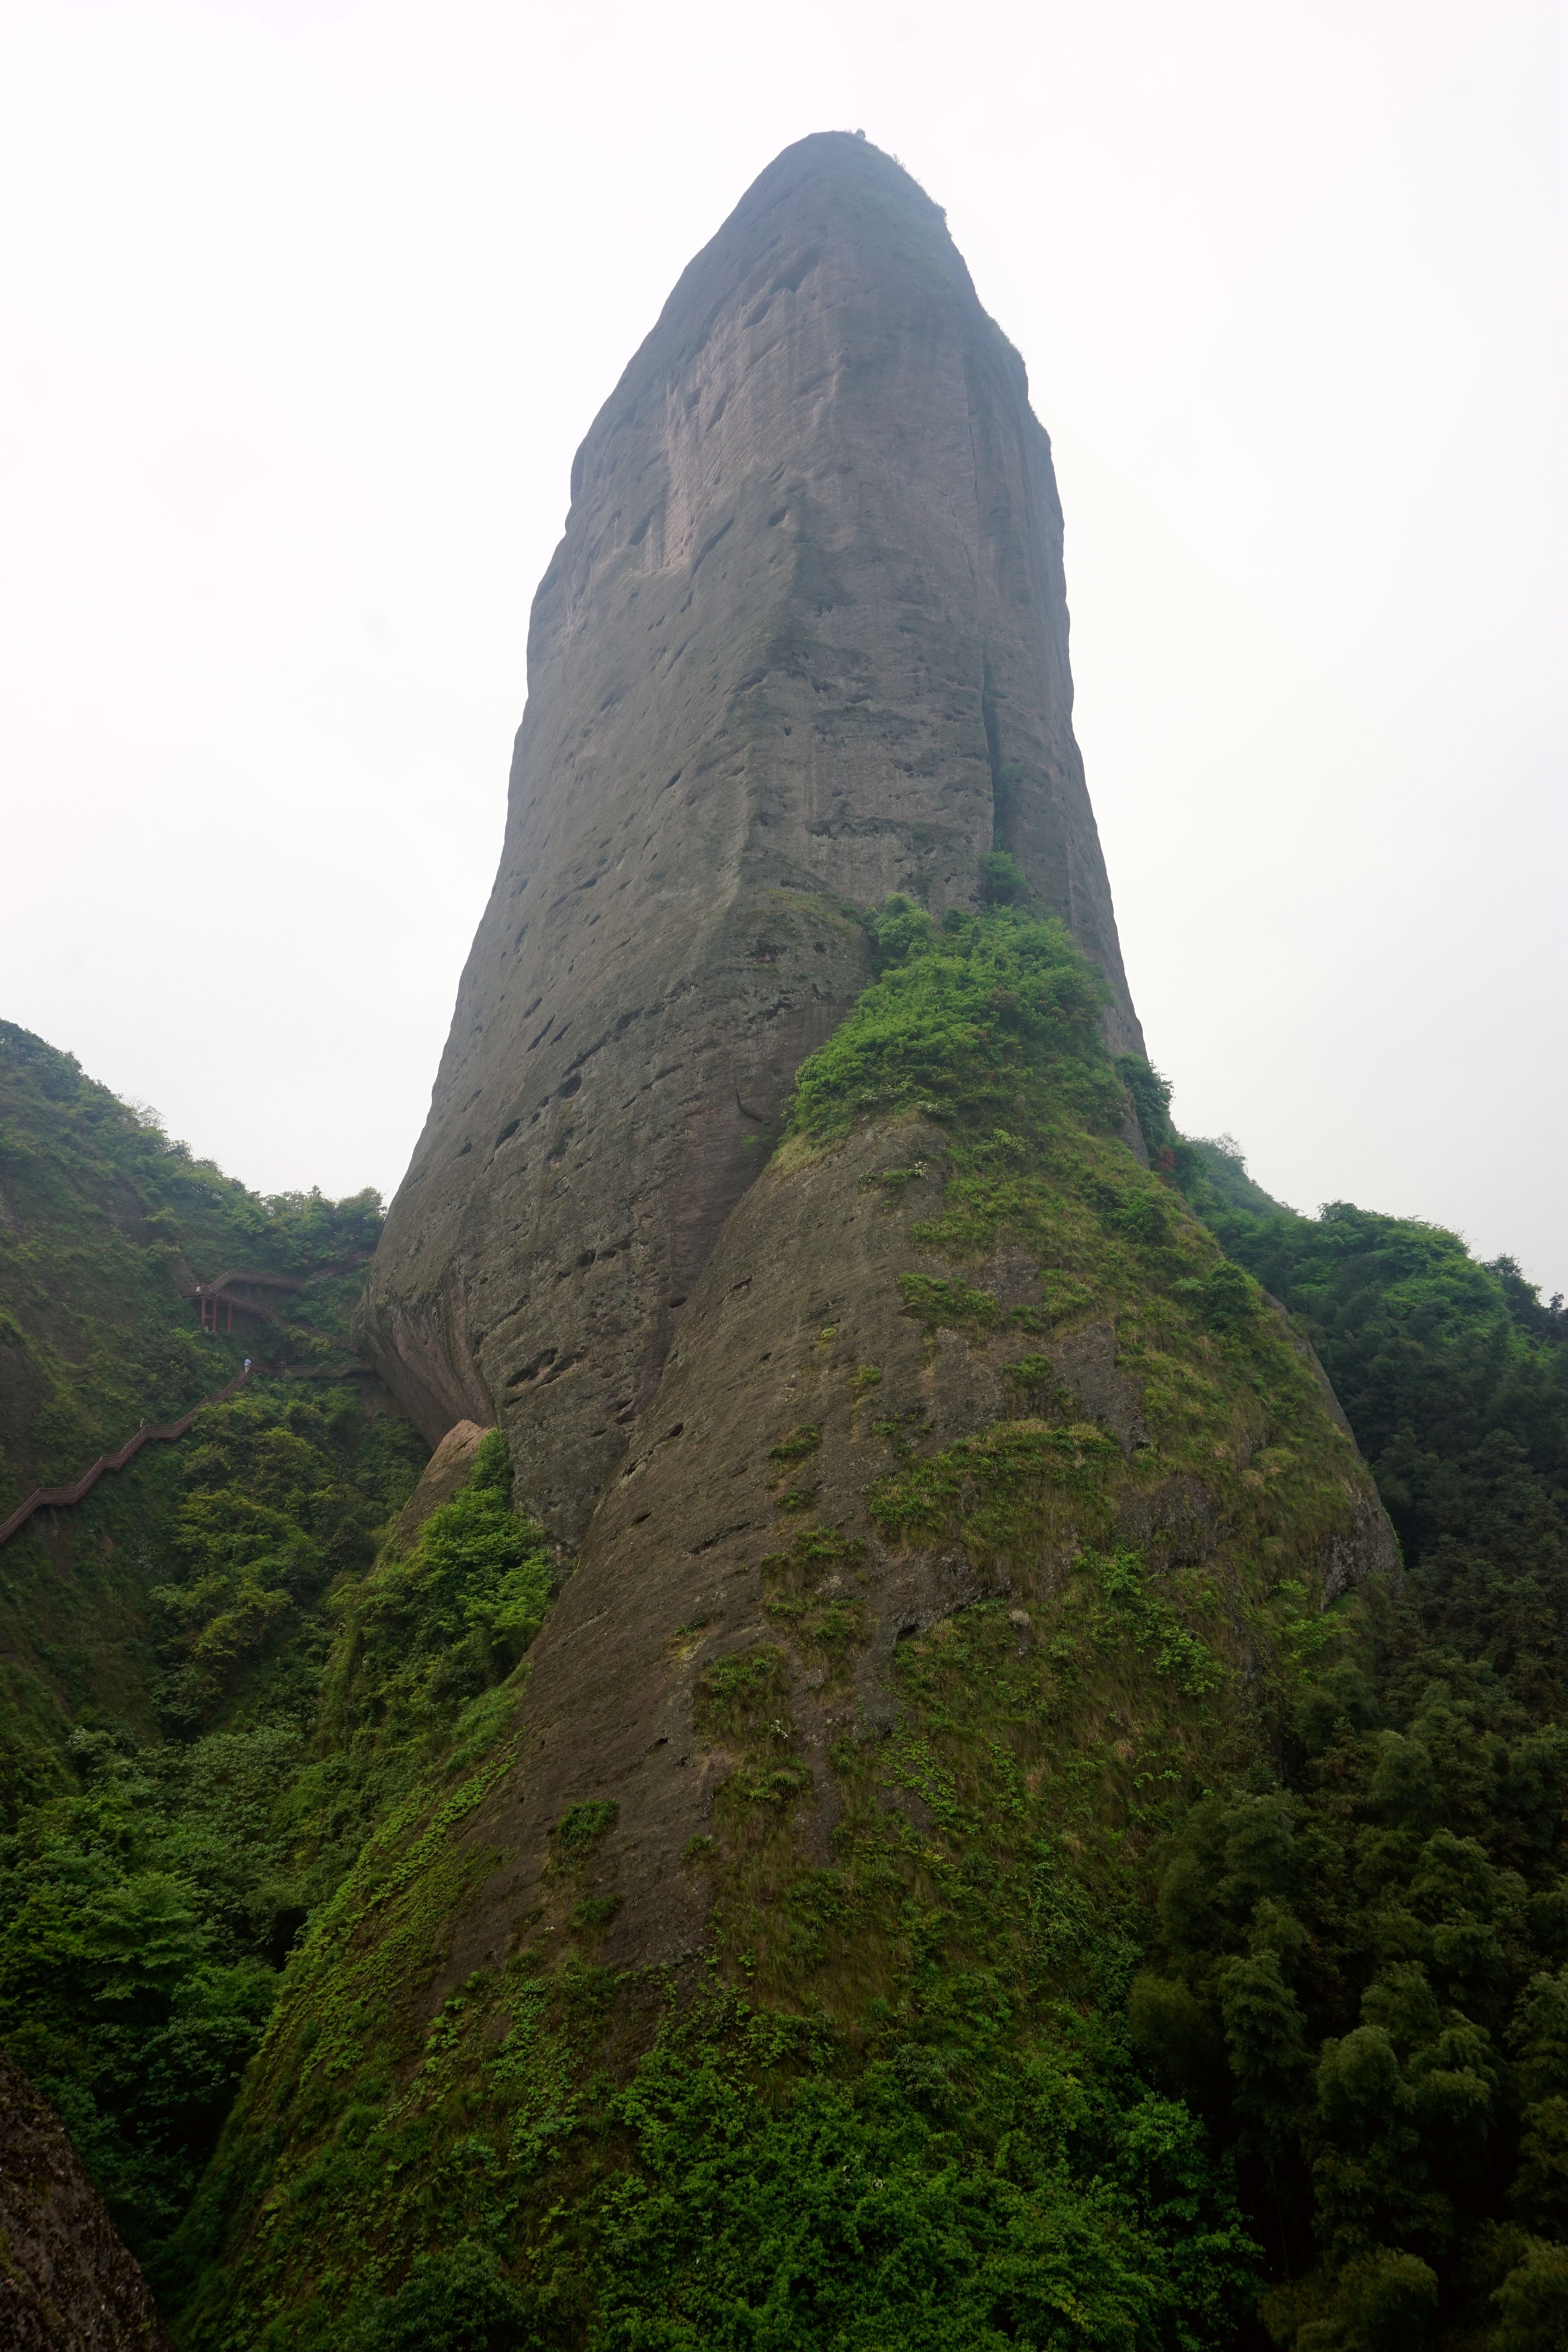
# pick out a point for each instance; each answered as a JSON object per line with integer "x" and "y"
{"x": 1283, "y": 2031}
{"x": 1405, "y": 2103}
{"x": 161, "y": 1644}
{"x": 105, "y": 1226}
{"x": 1193, "y": 1987}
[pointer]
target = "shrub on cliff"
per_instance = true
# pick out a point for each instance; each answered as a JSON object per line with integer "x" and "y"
{"x": 992, "y": 1020}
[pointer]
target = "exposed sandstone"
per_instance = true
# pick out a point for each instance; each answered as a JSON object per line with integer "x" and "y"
{"x": 447, "y": 1469}
{"x": 67, "y": 2282}
{"x": 804, "y": 641}
{"x": 814, "y": 1421}
{"x": 799, "y": 1323}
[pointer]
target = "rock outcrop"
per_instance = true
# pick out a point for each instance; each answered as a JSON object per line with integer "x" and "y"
{"x": 801, "y": 1386}
{"x": 804, "y": 641}
{"x": 448, "y": 1469}
{"x": 67, "y": 2282}
{"x": 946, "y": 1507}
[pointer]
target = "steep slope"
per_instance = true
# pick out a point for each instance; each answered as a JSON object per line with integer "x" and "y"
{"x": 951, "y": 1512}
{"x": 987, "y": 1348}
{"x": 985, "y": 1516}
{"x": 1454, "y": 1375}
{"x": 803, "y": 643}
{"x": 106, "y": 1228}
{"x": 165, "y": 1822}
{"x": 983, "y": 2006}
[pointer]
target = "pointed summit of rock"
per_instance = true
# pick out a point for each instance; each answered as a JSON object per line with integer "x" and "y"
{"x": 803, "y": 644}
{"x": 800, "y": 659}
{"x": 932, "y": 1501}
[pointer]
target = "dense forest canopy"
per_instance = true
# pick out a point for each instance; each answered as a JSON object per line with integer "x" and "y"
{"x": 1368, "y": 1956}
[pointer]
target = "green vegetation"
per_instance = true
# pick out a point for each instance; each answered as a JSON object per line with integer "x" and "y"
{"x": 981, "y": 1025}
{"x": 907, "y": 2108}
{"x": 171, "y": 1819}
{"x": 150, "y": 1902}
{"x": 281, "y": 1498}
{"x": 150, "y": 1888}
{"x": 1452, "y": 1376}
{"x": 1360, "y": 1964}
{"x": 570, "y": 2170}
{"x": 430, "y": 1630}
{"x": 1182, "y": 1948}
{"x": 105, "y": 1226}
{"x": 802, "y": 1441}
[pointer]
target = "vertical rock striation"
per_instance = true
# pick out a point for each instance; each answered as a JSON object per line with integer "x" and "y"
{"x": 804, "y": 641}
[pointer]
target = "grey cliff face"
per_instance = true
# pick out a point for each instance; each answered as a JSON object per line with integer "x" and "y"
{"x": 682, "y": 1565}
{"x": 67, "y": 2282}
{"x": 804, "y": 641}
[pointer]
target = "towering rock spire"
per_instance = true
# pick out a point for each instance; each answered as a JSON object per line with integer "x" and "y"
{"x": 805, "y": 643}
{"x": 946, "y": 1502}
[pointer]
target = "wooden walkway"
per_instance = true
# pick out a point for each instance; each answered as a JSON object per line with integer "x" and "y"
{"x": 210, "y": 1295}
{"x": 208, "y": 1298}
{"x": 44, "y": 1498}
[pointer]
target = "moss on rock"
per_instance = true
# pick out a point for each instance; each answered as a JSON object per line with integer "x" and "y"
{"x": 887, "y": 1699}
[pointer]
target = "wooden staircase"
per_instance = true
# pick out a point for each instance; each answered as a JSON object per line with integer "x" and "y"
{"x": 48, "y": 1498}
{"x": 209, "y": 1298}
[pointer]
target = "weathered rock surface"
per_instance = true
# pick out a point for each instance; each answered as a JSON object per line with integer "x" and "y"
{"x": 899, "y": 1450}
{"x": 448, "y": 1468}
{"x": 66, "y": 2283}
{"x": 804, "y": 641}
{"x": 798, "y": 1324}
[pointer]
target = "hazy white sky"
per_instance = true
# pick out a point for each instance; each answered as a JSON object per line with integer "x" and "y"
{"x": 306, "y": 307}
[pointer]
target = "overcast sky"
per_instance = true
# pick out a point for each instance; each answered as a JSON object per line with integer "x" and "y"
{"x": 306, "y": 308}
